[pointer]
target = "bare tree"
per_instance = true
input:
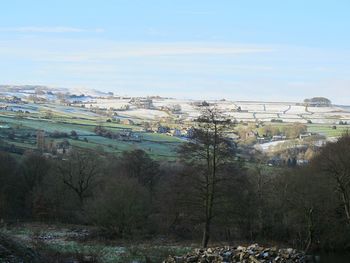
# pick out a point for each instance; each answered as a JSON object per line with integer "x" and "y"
{"x": 35, "y": 169}
{"x": 261, "y": 179}
{"x": 208, "y": 151}
{"x": 80, "y": 172}
{"x": 334, "y": 161}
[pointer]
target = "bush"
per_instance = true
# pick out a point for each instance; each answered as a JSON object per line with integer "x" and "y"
{"x": 122, "y": 207}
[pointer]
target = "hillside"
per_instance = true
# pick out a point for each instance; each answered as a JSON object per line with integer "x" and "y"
{"x": 157, "y": 125}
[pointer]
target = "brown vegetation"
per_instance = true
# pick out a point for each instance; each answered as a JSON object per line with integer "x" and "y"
{"x": 208, "y": 194}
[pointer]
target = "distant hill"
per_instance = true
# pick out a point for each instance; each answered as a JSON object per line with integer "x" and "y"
{"x": 50, "y": 90}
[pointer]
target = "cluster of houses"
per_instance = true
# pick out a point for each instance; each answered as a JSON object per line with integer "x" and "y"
{"x": 13, "y": 109}
{"x": 290, "y": 162}
{"x": 124, "y": 134}
{"x": 11, "y": 99}
{"x": 274, "y": 138}
{"x": 176, "y": 132}
{"x": 4, "y": 107}
{"x": 51, "y": 147}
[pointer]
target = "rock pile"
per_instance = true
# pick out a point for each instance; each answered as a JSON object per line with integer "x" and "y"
{"x": 250, "y": 254}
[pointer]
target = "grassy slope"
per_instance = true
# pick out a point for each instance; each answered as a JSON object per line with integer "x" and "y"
{"x": 64, "y": 241}
{"x": 66, "y": 119}
{"x": 157, "y": 145}
{"x": 327, "y": 130}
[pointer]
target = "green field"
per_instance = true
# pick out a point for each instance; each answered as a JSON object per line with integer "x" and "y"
{"x": 159, "y": 146}
{"x": 328, "y": 130}
{"x": 59, "y": 118}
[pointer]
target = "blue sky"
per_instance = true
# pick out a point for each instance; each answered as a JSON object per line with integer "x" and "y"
{"x": 236, "y": 49}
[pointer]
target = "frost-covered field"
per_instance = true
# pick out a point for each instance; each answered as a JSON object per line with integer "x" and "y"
{"x": 249, "y": 111}
{"x": 280, "y": 108}
{"x": 253, "y": 107}
{"x": 110, "y": 103}
{"x": 325, "y": 109}
{"x": 144, "y": 114}
{"x": 239, "y": 110}
{"x": 266, "y": 115}
{"x": 268, "y": 146}
{"x": 295, "y": 109}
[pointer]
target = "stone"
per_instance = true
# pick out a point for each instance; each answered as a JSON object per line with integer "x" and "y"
{"x": 251, "y": 254}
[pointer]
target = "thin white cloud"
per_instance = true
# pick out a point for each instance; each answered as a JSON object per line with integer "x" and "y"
{"x": 55, "y": 29}
{"x": 92, "y": 51}
{"x": 129, "y": 50}
{"x": 177, "y": 68}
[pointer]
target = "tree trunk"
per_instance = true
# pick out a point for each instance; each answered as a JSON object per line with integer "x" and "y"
{"x": 346, "y": 202}
{"x": 345, "y": 199}
{"x": 310, "y": 230}
{"x": 206, "y": 233}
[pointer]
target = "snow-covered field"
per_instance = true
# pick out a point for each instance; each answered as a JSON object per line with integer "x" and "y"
{"x": 250, "y": 111}
{"x": 268, "y": 146}
{"x": 254, "y": 107}
{"x": 110, "y": 103}
{"x": 297, "y": 110}
{"x": 280, "y": 108}
{"x": 145, "y": 114}
{"x": 239, "y": 110}
{"x": 324, "y": 109}
{"x": 265, "y": 116}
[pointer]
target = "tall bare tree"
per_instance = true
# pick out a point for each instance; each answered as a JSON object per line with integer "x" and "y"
{"x": 208, "y": 151}
{"x": 80, "y": 172}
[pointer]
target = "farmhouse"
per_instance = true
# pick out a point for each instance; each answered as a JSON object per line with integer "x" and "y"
{"x": 163, "y": 129}
{"x": 127, "y": 121}
{"x": 305, "y": 135}
{"x": 63, "y": 147}
{"x": 262, "y": 139}
{"x": 177, "y": 132}
{"x": 14, "y": 99}
{"x": 239, "y": 109}
{"x": 279, "y": 137}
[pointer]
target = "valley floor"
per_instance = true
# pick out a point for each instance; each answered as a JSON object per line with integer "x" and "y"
{"x": 73, "y": 243}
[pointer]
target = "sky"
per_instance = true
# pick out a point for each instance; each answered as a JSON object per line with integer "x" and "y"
{"x": 268, "y": 50}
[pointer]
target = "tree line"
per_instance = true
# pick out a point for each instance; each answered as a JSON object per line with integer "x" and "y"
{"x": 207, "y": 195}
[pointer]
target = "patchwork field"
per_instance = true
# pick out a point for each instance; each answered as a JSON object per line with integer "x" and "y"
{"x": 68, "y": 119}
{"x": 24, "y": 111}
